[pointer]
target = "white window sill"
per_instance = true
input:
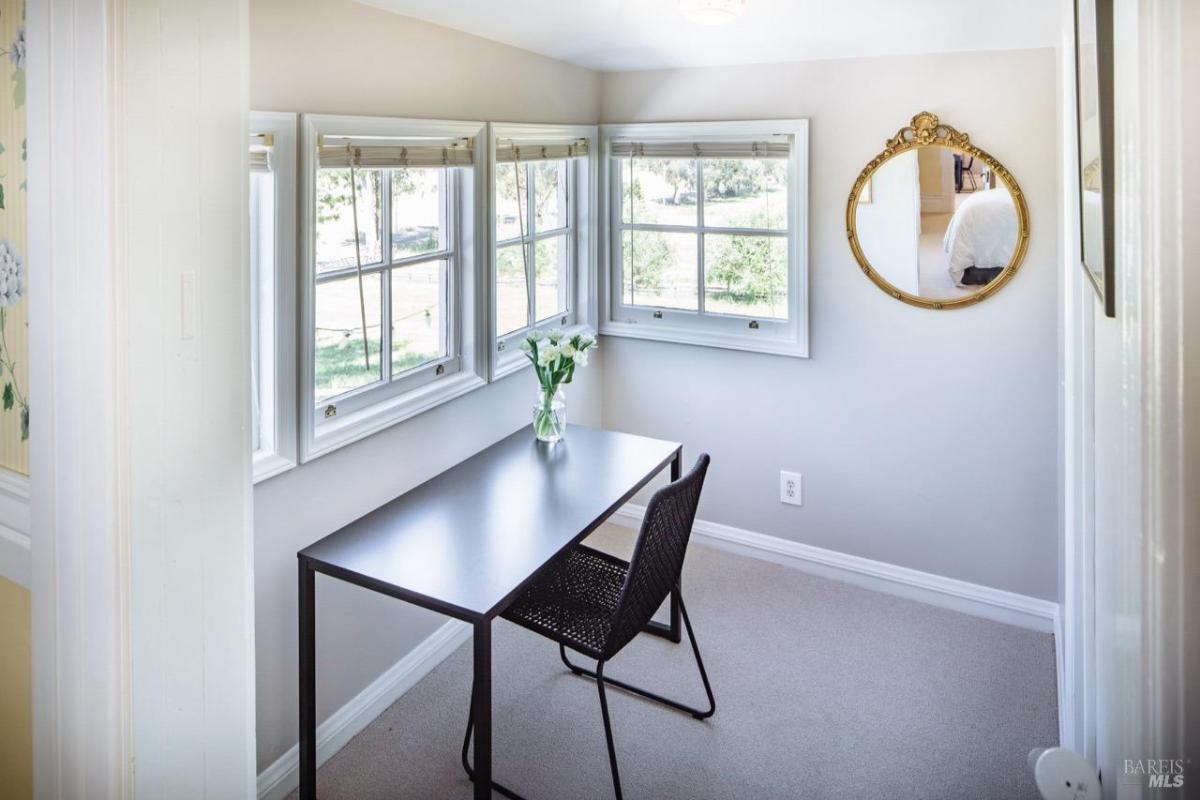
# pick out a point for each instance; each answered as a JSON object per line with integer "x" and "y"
{"x": 771, "y": 345}
{"x": 344, "y": 430}
{"x": 268, "y": 465}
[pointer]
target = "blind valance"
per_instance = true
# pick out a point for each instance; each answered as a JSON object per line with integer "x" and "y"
{"x": 777, "y": 147}
{"x": 508, "y": 150}
{"x": 338, "y": 152}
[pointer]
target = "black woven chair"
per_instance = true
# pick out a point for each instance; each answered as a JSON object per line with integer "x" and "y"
{"x": 595, "y": 603}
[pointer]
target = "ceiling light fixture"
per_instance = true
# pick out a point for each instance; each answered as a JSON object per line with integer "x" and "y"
{"x": 712, "y": 12}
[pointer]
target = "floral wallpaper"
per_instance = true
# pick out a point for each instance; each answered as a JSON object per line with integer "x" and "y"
{"x": 14, "y": 373}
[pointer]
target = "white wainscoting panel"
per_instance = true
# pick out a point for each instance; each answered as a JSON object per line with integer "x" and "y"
{"x": 14, "y": 528}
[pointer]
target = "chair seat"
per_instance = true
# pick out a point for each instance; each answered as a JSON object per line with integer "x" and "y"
{"x": 575, "y": 601}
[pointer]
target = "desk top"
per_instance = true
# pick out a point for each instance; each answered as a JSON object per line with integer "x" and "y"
{"x": 466, "y": 541}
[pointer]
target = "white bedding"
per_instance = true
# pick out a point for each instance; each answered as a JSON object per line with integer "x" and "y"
{"x": 982, "y": 233}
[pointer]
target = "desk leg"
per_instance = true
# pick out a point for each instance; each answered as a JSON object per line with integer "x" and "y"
{"x": 481, "y": 710}
{"x": 308, "y": 683}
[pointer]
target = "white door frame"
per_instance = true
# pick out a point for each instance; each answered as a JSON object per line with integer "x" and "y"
{"x": 141, "y": 492}
{"x": 1125, "y": 659}
{"x": 80, "y": 591}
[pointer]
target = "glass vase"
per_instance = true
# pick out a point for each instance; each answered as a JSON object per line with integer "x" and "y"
{"x": 550, "y": 415}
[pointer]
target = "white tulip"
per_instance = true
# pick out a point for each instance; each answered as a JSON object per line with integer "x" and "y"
{"x": 567, "y": 350}
{"x": 547, "y": 354}
{"x": 536, "y": 335}
{"x": 581, "y": 358}
{"x": 525, "y": 346}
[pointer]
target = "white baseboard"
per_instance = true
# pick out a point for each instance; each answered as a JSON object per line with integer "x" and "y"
{"x": 951, "y": 593}
{"x": 14, "y": 528}
{"x": 279, "y": 779}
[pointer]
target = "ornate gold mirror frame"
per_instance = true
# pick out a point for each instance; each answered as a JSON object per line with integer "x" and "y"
{"x": 927, "y": 131}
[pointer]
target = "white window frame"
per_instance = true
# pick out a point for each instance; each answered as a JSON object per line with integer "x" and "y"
{"x": 273, "y": 299}
{"x": 788, "y": 338}
{"x": 366, "y": 411}
{"x": 583, "y": 212}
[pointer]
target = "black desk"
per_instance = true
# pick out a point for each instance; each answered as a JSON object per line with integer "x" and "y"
{"x": 466, "y": 542}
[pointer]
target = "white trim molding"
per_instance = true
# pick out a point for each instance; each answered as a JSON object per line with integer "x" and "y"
{"x": 969, "y": 598}
{"x": 82, "y": 698}
{"x": 278, "y": 780}
{"x": 15, "y": 560}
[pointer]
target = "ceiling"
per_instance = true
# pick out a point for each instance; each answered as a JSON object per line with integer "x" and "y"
{"x": 613, "y": 35}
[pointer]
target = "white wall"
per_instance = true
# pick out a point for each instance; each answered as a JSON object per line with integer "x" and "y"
{"x": 889, "y": 227}
{"x": 183, "y": 424}
{"x": 926, "y": 438}
{"x": 336, "y": 56}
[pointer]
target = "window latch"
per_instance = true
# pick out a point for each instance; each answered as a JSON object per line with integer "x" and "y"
{"x": 754, "y": 324}
{"x": 658, "y": 314}
{"x": 330, "y": 411}
{"x": 500, "y": 345}
{"x": 441, "y": 370}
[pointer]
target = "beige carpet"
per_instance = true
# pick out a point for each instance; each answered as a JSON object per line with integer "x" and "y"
{"x": 824, "y": 690}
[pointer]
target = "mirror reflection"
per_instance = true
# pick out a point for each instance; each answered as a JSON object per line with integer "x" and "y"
{"x": 937, "y": 223}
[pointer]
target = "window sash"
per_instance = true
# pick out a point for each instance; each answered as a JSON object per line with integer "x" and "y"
{"x": 449, "y": 363}
{"x": 529, "y": 243}
{"x": 699, "y": 230}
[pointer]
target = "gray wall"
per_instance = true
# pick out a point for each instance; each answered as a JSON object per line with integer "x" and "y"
{"x": 926, "y": 438}
{"x": 337, "y": 56}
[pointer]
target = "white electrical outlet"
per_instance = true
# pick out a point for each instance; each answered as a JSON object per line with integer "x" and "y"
{"x": 789, "y": 488}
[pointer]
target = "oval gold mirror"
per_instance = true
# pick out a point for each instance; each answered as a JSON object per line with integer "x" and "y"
{"x": 934, "y": 221}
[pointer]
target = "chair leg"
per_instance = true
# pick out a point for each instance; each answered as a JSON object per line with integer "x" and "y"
{"x": 695, "y": 712}
{"x": 608, "y": 737}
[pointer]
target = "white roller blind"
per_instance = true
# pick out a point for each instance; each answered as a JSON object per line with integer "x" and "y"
{"x": 776, "y": 147}
{"x": 260, "y": 151}
{"x": 507, "y": 150}
{"x": 260, "y": 159}
{"x": 392, "y": 153}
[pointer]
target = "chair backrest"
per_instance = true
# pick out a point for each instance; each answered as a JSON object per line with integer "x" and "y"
{"x": 658, "y": 555}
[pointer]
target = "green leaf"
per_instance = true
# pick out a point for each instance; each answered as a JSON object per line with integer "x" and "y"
{"x": 24, "y": 423}
{"x": 8, "y": 396}
{"x": 1, "y": 195}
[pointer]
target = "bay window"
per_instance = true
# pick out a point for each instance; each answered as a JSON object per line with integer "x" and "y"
{"x": 707, "y": 226}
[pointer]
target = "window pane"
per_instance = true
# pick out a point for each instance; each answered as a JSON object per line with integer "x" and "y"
{"x": 335, "y": 222}
{"x": 551, "y": 263}
{"x": 418, "y": 315}
{"x": 745, "y": 275}
{"x": 512, "y": 290}
{"x": 339, "y": 361}
{"x": 509, "y": 220}
{"x": 745, "y": 193}
{"x": 663, "y": 191}
{"x": 418, "y": 211}
{"x": 660, "y": 269}
{"x": 550, "y": 185}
